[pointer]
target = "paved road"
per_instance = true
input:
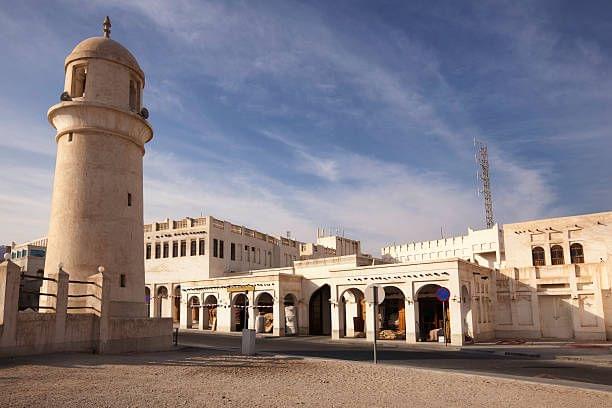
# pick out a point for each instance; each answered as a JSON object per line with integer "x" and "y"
{"x": 416, "y": 356}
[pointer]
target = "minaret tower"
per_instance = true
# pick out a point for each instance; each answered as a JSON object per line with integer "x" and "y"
{"x": 96, "y": 210}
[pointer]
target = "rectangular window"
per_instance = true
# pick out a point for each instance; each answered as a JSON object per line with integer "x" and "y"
{"x": 216, "y": 248}
{"x": 122, "y": 280}
{"x": 165, "y": 250}
{"x": 221, "y": 249}
{"x": 183, "y": 248}
{"x": 70, "y": 137}
{"x": 194, "y": 247}
{"x": 174, "y": 249}
{"x": 133, "y": 96}
{"x": 79, "y": 80}
{"x": 148, "y": 251}
{"x": 129, "y": 199}
{"x": 233, "y": 251}
{"x": 157, "y": 251}
{"x": 202, "y": 247}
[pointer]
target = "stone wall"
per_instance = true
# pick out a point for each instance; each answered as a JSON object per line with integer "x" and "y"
{"x": 82, "y": 326}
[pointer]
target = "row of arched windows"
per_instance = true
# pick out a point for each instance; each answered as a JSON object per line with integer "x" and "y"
{"x": 556, "y": 255}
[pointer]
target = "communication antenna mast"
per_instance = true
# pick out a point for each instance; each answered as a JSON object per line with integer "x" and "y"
{"x": 482, "y": 160}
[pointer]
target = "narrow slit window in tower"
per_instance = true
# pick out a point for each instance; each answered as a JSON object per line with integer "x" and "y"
{"x": 79, "y": 80}
{"x": 134, "y": 95}
{"x": 122, "y": 280}
{"x": 129, "y": 199}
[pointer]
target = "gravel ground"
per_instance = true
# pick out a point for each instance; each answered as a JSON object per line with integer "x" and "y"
{"x": 194, "y": 377}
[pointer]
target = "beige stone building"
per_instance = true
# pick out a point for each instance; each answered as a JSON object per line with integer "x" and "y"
{"x": 30, "y": 257}
{"x": 484, "y": 247}
{"x": 501, "y": 284}
{"x": 556, "y": 282}
{"x": 179, "y": 252}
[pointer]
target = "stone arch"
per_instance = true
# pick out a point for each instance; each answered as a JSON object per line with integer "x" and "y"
{"x": 319, "y": 312}
{"x": 431, "y": 313}
{"x": 176, "y": 309}
{"x": 576, "y": 253}
{"x": 162, "y": 302}
{"x": 556, "y": 255}
{"x": 264, "y": 313}
{"x": 537, "y": 256}
{"x": 392, "y": 314}
{"x": 291, "y": 314}
{"x": 210, "y": 313}
{"x": 193, "y": 312}
{"x": 148, "y": 300}
{"x": 240, "y": 312}
{"x": 467, "y": 314}
{"x": 352, "y": 313}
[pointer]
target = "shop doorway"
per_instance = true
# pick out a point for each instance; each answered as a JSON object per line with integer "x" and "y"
{"x": 240, "y": 312}
{"x": 319, "y": 312}
{"x": 431, "y": 314}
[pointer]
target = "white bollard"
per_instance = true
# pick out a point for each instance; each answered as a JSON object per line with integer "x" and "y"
{"x": 248, "y": 342}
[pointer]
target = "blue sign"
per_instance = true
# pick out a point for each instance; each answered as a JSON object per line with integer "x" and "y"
{"x": 443, "y": 294}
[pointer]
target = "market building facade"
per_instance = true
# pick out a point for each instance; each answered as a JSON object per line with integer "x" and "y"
{"x": 501, "y": 287}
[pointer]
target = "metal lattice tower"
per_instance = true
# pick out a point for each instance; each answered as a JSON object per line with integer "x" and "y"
{"x": 482, "y": 159}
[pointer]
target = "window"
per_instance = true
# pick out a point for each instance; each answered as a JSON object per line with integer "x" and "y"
{"x": 39, "y": 253}
{"x": 165, "y": 252}
{"x": 174, "y": 249}
{"x": 537, "y": 255}
{"x": 221, "y": 249}
{"x": 134, "y": 95}
{"x": 129, "y": 199}
{"x": 202, "y": 247}
{"x": 216, "y": 248}
{"x": 556, "y": 255}
{"x": 122, "y": 280}
{"x": 194, "y": 247}
{"x": 148, "y": 251}
{"x": 79, "y": 80}
{"x": 70, "y": 137}
{"x": 232, "y": 251}
{"x": 157, "y": 251}
{"x": 183, "y": 248}
{"x": 576, "y": 253}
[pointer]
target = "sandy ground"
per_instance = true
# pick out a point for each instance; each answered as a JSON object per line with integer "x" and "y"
{"x": 205, "y": 378}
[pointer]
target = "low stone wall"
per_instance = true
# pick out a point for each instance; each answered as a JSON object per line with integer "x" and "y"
{"x": 139, "y": 334}
{"x": 56, "y": 330}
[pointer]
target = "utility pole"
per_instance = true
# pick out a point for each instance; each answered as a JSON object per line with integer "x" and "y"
{"x": 482, "y": 160}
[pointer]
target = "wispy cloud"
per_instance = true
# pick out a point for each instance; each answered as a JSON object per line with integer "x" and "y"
{"x": 289, "y": 115}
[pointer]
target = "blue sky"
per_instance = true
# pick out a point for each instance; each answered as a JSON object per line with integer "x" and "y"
{"x": 286, "y": 115}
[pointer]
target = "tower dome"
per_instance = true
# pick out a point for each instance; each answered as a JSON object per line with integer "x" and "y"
{"x": 106, "y": 49}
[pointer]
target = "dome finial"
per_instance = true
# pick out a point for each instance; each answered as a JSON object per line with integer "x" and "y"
{"x": 106, "y": 27}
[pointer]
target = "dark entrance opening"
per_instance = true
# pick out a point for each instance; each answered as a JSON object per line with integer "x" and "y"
{"x": 431, "y": 320}
{"x": 240, "y": 312}
{"x": 319, "y": 312}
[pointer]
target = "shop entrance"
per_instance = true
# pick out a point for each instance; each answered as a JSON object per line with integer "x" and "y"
{"x": 431, "y": 314}
{"x": 319, "y": 312}
{"x": 240, "y": 312}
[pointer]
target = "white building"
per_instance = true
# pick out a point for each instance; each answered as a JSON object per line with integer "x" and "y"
{"x": 484, "y": 247}
{"x": 179, "y": 252}
{"x": 538, "y": 279}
